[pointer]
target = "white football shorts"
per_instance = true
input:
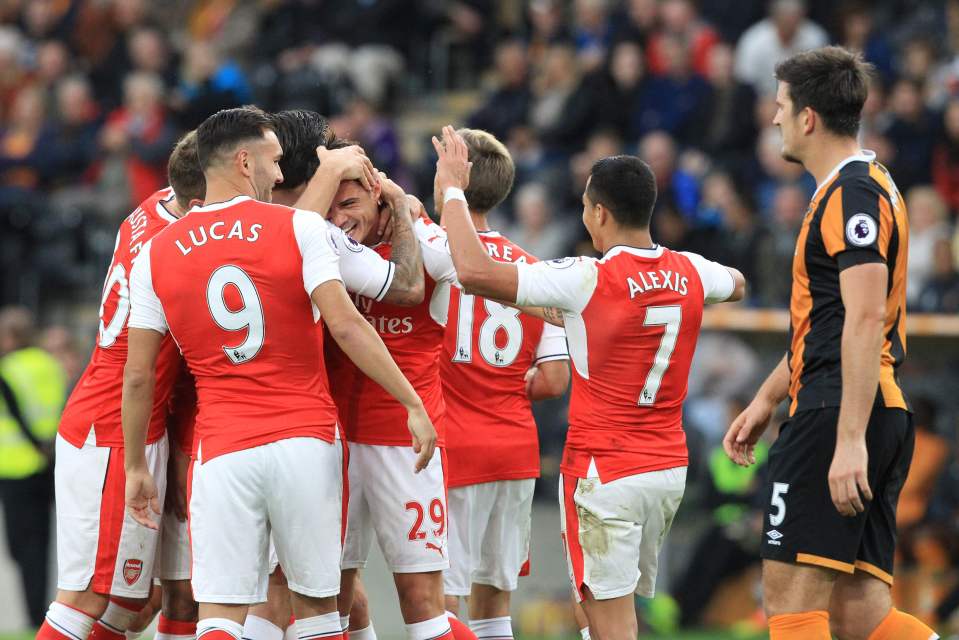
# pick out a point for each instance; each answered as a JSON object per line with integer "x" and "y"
{"x": 405, "y": 510}
{"x": 99, "y": 544}
{"x": 292, "y": 488}
{"x": 489, "y": 535}
{"x": 613, "y": 532}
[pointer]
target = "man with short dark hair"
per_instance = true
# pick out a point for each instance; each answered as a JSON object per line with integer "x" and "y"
{"x": 240, "y": 283}
{"x": 840, "y": 461}
{"x": 632, "y": 319}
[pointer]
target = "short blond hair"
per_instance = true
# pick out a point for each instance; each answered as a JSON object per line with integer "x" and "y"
{"x": 491, "y": 177}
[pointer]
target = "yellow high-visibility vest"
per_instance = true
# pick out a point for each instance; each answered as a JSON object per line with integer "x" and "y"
{"x": 39, "y": 384}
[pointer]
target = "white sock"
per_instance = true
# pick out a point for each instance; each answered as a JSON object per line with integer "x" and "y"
{"x": 206, "y": 625}
{"x": 69, "y": 621}
{"x": 428, "y": 628}
{"x": 344, "y": 623}
{"x": 317, "y": 627}
{"x": 257, "y": 628}
{"x": 117, "y": 618}
{"x": 368, "y": 633}
{"x": 498, "y": 628}
{"x": 585, "y": 633}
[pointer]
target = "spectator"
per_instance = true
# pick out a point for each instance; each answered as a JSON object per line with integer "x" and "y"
{"x": 148, "y": 50}
{"x": 208, "y": 84}
{"x": 553, "y": 90}
{"x": 33, "y": 387}
{"x": 680, "y": 20}
{"x": 608, "y": 98}
{"x": 535, "y": 228}
{"x": 773, "y": 284}
{"x": 741, "y": 235}
{"x": 53, "y": 63}
{"x": 22, "y": 160}
{"x": 927, "y": 226}
{"x": 71, "y": 137}
{"x": 139, "y": 135}
{"x": 508, "y": 105}
{"x": 858, "y": 32}
{"x": 546, "y": 28}
{"x": 671, "y": 102}
{"x": 940, "y": 294}
{"x": 376, "y": 134}
{"x": 636, "y": 21}
{"x": 773, "y": 171}
{"x": 592, "y": 32}
{"x": 945, "y": 157}
{"x": 13, "y": 74}
{"x": 724, "y": 125}
{"x": 917, "y": 60}
{"x": 911, "y": 132}
{"x": 785, "y": 32}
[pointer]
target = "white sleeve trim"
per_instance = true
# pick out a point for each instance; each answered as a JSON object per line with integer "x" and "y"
{"x": 314, "y": 239}
{"x": 718, "y": 282}
{"x": 146, "y": 310}
{"x": 363, "y": 270}
{"x": 566, "y": 283}
{"x": 552, "y": 344}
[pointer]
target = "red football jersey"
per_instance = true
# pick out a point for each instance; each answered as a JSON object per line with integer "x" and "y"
{"x": 632, "y": 319}
{"x": 487, "y": 350}
{"x": 414, "y": 337}
{"x": 95, "y": 401}
{"x": 231, "y": 282}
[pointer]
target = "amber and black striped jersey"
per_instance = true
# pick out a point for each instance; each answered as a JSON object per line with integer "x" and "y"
{"x": 856, "y": 216}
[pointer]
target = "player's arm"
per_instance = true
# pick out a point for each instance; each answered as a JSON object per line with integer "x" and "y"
{"x": 348, "y": 163}
{"x": 360, "y": 342}
{"x": 477, "y": 272}
{"x": 354, "y": 335}
{"x": 863, "y": 290}
{"x": 146, "y": 328}
{"x": 745, "y": 431}
{"x": 408, "y": 286}
{"x": 856, "y": 229}
{"x": 547, "y": 380}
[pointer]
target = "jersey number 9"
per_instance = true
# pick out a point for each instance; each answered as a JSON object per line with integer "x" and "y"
{"x": 249, "y": 317}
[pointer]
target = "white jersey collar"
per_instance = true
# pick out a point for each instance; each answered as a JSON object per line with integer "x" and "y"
{"x": 162, "y": 210}
{"x": 865, "y": 155}
{"x": 216, "y": 206}
{"x": 652, "y": 252}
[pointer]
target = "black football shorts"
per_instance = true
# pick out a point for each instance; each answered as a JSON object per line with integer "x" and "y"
{"x": 802, "y": 525}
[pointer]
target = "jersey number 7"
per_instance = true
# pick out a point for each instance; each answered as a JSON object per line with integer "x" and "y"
{"x": 669, "y": 317}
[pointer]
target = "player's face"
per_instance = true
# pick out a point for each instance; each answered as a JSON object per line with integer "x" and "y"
{"x": 266, "y": 166}
{"x": 355, "y": 211}
{"x": 788, "y": 123}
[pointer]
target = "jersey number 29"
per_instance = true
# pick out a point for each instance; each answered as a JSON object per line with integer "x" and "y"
{"x": 248, "y": 317}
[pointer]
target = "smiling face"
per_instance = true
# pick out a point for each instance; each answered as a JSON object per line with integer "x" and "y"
{"x": 355, "y": 211}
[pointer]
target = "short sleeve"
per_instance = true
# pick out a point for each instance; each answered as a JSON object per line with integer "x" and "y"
{"x": 146, "y": 310}
{"x": 856, "y": 223}
{"x": 718, "y": 282}
{"x": 321, "y": 262}
{"x": 552, "y": 344}
{"x": 565, "y": 283}
{"x": 363, "y": 270}
{"x": 435, "y": 247}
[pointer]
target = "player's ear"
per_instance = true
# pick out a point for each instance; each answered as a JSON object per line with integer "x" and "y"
{"x": 243, "y": 161}
{"x": 808, "y": 120}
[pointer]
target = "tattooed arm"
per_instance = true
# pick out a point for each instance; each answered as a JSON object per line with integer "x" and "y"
{"x": 408, "y": 287}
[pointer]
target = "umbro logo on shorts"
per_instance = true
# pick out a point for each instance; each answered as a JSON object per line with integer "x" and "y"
{"x": 132, "y": 569}
{"x": 774, "y": 537}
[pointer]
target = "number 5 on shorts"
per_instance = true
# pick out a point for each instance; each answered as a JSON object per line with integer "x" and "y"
{"x": 779, "y": 490}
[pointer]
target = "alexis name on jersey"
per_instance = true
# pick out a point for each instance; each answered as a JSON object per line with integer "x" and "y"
{"x": 382, "y": 324}
{"x": 217, "y": 231}
{"x": 656, "y": 280}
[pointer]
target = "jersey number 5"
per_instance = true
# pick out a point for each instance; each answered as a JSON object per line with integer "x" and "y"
{"x": 669, "y": 317}
{"x": 498, "y": 317}
{"x": 248, "y": 317}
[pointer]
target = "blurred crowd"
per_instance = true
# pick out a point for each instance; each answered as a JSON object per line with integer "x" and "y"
{"x": 93, "y": 93}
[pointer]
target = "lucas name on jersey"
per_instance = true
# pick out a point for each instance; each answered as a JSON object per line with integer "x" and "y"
{"x": 382, "y": 324}
{"x": 217, "y": 231}
{"x": 657, "y": 280}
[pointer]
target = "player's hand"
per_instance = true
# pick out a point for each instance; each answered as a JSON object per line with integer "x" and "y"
{"x": 177, "y": 470}
{"x": 529, "y": 377}
{"x": 848, "y": 479}
{"x": 417, "y": 209}
{"x": 452, "y": 165}
{"x": 392, "y": 194}
{"x": 141, "y": 497}
{"x": 424, "y": 437}
{"x": 745, "y": 431}
{"x": 350, "y": 163}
